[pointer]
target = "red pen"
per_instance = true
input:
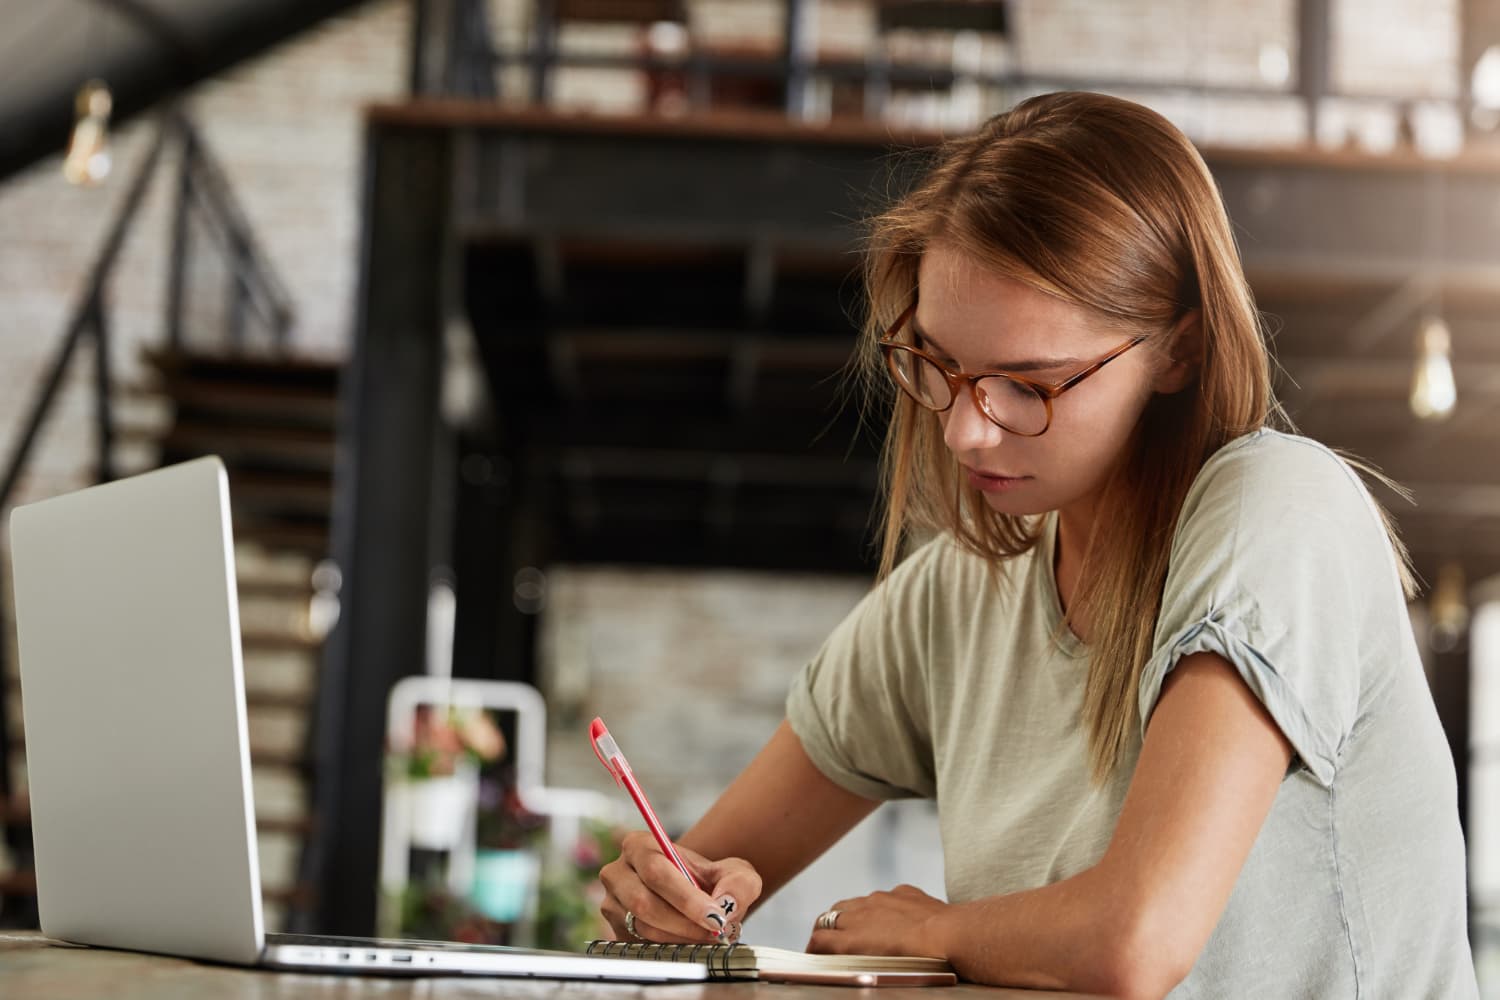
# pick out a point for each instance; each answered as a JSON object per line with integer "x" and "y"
{"x": 608, "y": 752}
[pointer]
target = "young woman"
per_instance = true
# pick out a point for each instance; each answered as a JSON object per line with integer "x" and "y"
{"x": 1150, "y": 655}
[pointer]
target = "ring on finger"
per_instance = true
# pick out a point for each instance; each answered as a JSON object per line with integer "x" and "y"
{"x": 828, "y": 920}
{"x": 630, "y": 926}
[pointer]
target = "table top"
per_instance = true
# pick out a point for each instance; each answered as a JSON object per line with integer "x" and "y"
{"x": 34, "y": 966}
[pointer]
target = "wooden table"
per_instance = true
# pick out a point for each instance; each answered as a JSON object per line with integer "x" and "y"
{"x": 32, "y": 966}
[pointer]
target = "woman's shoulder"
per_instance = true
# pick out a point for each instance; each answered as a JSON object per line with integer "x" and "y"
{"x": 1276, "y": 465}
{"x": 1272, "y": 481}
{"x": 1272, "y": 449}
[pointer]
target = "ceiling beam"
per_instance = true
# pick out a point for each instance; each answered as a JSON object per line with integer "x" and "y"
{"x": 156, "y": 66}
{"x": 155, "y": 25}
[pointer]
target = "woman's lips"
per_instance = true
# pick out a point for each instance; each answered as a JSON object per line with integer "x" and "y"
{"x": 986, "y": 483}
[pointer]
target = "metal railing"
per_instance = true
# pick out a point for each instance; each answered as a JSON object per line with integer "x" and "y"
{"x": 204, "y": 210}
{"x": 454, "y": 53}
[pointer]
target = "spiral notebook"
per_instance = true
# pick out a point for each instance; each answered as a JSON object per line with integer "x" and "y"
{"x": 743, "y": 961}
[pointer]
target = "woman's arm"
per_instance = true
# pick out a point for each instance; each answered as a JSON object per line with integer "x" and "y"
{"x": 780, "y": 814}
{"x": 1134, "y": 924}
{"x": 775, "y": 819}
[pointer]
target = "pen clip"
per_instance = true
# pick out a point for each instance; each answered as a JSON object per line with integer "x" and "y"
{"x": 607, "y": 750}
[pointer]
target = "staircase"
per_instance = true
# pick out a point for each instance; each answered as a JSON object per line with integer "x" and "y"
{"x": 272, "y": 421}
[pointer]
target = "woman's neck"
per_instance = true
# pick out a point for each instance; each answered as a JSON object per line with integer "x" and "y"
{"x": 1074, "y": 523}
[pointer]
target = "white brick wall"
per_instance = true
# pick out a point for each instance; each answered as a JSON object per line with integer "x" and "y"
{"x": 690, "y": 670}
{"x": 1193, "y": 41}
{"x": 1405, "y": 48}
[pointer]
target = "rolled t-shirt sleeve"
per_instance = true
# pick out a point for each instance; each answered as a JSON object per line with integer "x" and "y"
{"x": 1278, "y": 557}
{"x": 860, "y": 706}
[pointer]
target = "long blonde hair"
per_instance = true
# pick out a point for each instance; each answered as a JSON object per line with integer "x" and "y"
{"x": 1106, "y": 205}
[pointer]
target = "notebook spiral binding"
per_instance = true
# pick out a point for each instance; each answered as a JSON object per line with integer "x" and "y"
{"x": 715, "y": 956}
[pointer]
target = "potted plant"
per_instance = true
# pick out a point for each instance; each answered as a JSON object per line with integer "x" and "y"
{"x": 440, "y": 766}
{"x": 510, "y": 841}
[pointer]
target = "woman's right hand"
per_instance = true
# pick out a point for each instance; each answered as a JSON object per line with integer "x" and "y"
{"x": 666, "y": 907}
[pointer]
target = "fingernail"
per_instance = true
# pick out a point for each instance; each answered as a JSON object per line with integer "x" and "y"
{"x": 725, "y": 907}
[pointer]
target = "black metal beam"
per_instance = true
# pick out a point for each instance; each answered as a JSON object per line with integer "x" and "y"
{"x": 382, "y": 506}
{"x": 147, "y": 70}
{"x": 104, "y": 412}
{"x": 158, "y": 27}
{"x": 794, "y": 58}
{"x": 1314, "y": 43}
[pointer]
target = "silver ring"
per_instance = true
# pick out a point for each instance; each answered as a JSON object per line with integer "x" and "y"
{"x": 828, "y": 920}
{"x": 630, "y": 926}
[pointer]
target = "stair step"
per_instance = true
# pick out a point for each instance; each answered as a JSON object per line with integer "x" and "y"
{"x": 246, "y": 446}
{"x": 278, "y": 729}
{"x": 268, "y": 639}
{"x": 279, "y": 404}
{"x": 280, "y": 793}
{"x": 273, "y": 701}
{"x": 284, "y": 370}
{"x": 260, "y": 614}
{"x": 18, "y": 883}
{"x": 285, "y": 590}
{"x": 303, "y": 493}
{"x": 284, "y": 674}
{"x": 256, "y": 564}
{"x": 312, "y": 540}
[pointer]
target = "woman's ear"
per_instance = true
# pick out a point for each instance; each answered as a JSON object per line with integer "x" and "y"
{"x": 1184, "y": 350}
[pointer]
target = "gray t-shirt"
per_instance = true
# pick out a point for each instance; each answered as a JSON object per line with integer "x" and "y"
{"x": 944, "y": 683}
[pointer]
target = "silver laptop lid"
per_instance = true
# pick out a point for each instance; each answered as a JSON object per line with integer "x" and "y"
{"x": 131, "y": 689}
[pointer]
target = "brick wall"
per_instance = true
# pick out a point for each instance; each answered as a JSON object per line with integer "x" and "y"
{"x": 691, "y": 669}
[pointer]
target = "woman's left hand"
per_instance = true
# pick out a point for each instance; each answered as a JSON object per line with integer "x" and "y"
{"x": 900, "y": 922}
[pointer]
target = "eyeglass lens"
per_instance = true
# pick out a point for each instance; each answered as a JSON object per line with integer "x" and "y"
{"x": 1010, "y": 403}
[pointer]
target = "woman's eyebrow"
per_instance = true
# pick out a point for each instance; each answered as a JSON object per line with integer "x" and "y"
{"x": 1032, "y": 365}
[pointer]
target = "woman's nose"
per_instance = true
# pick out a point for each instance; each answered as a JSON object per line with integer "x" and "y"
{"x": 965, "y": 428}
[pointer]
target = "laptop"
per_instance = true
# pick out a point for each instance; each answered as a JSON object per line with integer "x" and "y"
{"x": 132, "y": 688}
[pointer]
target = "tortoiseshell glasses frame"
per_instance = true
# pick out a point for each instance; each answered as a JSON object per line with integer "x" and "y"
{"x": 897, "y": 353}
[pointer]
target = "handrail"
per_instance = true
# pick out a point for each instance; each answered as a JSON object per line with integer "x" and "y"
{"x": 84, "y": 323}
{"x": 256, "y": 284}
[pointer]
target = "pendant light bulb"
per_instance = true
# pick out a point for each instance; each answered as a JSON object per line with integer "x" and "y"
{"x": 1433, "y": 393}
{"x": 88, "y": 160}
{"x": 1448, "y": 608}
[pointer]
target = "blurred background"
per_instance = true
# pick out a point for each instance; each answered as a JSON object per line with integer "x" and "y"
{"x": 520, "y": 327}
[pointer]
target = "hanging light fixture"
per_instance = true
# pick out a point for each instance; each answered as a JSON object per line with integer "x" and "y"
{"x": 1448, "y": 609}
{"x": 1433, "y": 393}
{"x": 88, "y": 160}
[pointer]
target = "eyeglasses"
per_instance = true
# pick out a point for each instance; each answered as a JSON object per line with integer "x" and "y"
{"x": 1017, "y": 404}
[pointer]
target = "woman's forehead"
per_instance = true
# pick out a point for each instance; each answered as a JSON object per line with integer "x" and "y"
{"x": 970, "y": 304}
